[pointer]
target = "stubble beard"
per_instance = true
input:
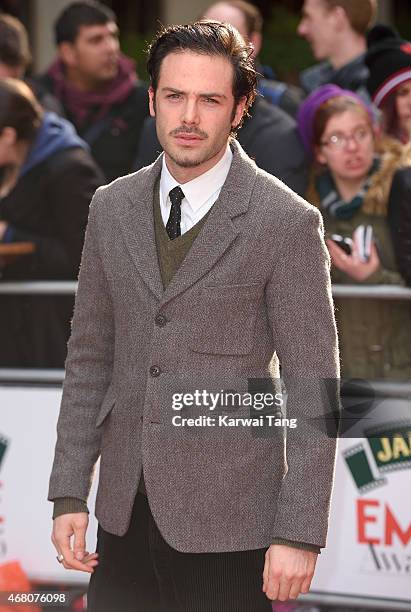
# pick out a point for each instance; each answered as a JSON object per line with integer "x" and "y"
{"x": 187, "y": 162}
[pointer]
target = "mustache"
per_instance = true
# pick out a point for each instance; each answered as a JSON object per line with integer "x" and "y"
{"x": 189, "y": 130}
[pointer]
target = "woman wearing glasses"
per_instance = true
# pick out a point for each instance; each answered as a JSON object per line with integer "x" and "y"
{"x": 351, "y": 184}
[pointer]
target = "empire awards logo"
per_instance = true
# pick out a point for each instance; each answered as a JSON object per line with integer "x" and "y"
{"x": 385, "y": 449}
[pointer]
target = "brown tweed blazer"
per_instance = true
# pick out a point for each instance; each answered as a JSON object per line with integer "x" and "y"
{"x": 253, "y": 291}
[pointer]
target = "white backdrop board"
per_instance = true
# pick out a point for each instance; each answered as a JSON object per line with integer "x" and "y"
{"x": 28, "y": 418}
{"x": 369, "y": 545}
{"x": 368, "y": 551}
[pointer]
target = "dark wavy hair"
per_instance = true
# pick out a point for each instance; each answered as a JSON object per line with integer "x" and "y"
{"x": 207, "y": 38}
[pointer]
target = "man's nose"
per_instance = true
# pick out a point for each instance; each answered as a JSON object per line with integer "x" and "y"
{"x": 301, "y": 29}
{"x": 112, "y": 44}
{"x": 190, "y": 112}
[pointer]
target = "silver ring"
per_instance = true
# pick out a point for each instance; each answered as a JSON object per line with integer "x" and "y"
{"x": 60, "y": 558}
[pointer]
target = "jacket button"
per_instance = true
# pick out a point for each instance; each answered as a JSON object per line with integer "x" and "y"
{"x": 155, "y": 371}
{"x": 160, "y": 320}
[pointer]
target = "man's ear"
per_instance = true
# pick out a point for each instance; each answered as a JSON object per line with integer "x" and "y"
{"x": 341, "y": 21}
{"x": 67, "y": 53}
{"x": 239, "y": 112}
{"x": 152, "y": 101}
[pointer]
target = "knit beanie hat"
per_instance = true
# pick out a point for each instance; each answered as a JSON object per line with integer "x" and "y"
{"x": 389, "y": 61}
{"x": 306, "y": 112}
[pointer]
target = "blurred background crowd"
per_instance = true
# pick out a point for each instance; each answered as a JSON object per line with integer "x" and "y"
{"x": 332, "y": 120}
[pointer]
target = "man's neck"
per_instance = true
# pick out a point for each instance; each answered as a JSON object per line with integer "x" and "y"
{"x": 350, "y": 47}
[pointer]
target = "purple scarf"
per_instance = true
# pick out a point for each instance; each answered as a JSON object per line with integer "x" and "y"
{"x": 80, "y": 104}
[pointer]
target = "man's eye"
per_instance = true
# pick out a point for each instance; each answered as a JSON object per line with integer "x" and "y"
{"x": 211, "y": 100}
{"x": 173, "y": 96}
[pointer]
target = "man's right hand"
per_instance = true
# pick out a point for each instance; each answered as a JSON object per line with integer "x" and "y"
{"x": 64, "y": 527}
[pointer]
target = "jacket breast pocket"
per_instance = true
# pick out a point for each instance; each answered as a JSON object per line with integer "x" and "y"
{"x": 225, "y": 319}
{"x": 106, "y": 407}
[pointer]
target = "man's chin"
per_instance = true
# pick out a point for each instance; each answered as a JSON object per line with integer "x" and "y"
{"x": 186, "y": 161}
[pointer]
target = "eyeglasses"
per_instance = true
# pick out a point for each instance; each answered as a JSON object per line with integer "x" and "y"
{"x": 340, "y": 141}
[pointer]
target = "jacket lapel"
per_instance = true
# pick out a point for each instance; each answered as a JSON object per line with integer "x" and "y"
{"x": 137, "y": 225}
{"x": 215, "y": 237}
{"x": 219, "y": 231}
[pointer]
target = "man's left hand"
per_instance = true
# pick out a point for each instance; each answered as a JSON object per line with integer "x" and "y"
{"x": 287, "y": 572}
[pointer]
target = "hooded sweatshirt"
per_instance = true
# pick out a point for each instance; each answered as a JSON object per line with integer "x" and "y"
{"x": 54, "y": 135}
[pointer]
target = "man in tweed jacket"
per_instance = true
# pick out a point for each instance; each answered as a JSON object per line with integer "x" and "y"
{"x": 200, "y": 271}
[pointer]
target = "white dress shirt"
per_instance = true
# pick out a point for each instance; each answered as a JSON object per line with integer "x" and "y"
{"x": 199, "y": 194}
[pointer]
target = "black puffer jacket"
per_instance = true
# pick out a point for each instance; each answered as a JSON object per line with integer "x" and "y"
{"x": 399, "y": 217}
{"x": 48, "y": 206}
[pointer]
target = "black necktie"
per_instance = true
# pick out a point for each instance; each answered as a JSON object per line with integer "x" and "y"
{"x": 173, "y": 224}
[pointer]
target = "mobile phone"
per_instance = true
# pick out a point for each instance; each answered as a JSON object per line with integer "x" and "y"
{"x": 345, "y": 244}
{"x": 363, "y": 237}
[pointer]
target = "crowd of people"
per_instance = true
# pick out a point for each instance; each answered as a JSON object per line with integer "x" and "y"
{"x": 340, "y": 139}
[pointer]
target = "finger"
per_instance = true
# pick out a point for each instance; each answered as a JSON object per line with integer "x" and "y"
{"x": 91, "y": 561}
{"x": 295, "y": 588}
{"x": 338, "y": 256}
{"x": 70, "y": 562}
{"x": 89, "y": 556}
{"x": 265, "y": 572}
{"x": 305, "y": 587}
{"x": 354, "y": 249}
{"x": 374, "y": 253}
{"x": 284, "y": 589}
{"x": 273, "y": 583}
{"x": 79, "y": 544}
{"x": 62, "y": 543}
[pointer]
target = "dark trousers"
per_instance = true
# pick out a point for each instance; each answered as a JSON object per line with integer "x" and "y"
{"x": 141, "y": 572}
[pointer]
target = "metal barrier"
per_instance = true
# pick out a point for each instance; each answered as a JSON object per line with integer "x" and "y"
{"x": 39, "y": 288}
{"x": 381, "y": 292}
{"x": 382, "y": 388}
{"x": 55, "y": 376}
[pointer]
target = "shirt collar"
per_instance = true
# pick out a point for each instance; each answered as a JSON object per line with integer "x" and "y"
{"x": 200, "y": 189}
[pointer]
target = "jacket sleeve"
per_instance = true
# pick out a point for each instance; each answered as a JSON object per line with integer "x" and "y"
{"x": 70, "y": 189}
{"x": 88, "y": 374}
{"x": 300, "y": 310}
{"x": 399, "y": 218}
